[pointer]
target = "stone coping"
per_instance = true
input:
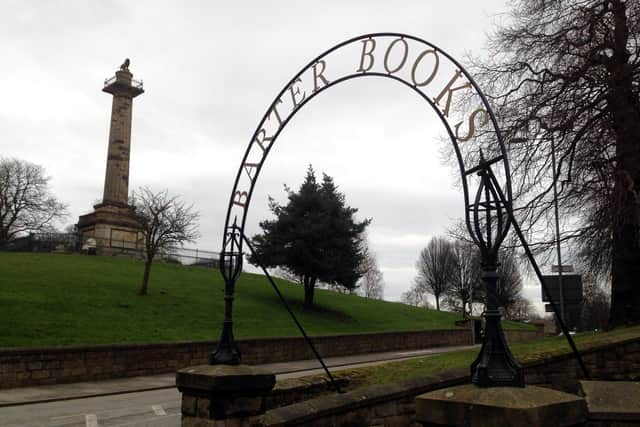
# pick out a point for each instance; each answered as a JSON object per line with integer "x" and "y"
{"x": 169, "y": 344}
{"x": 306, "y": 411}
{"x": 225, "y": 379}
{"x": 612, "y": 400}
{"x": 569, "y": 354}
{"x": 470, "y": 405}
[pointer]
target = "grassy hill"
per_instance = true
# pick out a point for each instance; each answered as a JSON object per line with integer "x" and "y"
{"x": 56, "y": 299}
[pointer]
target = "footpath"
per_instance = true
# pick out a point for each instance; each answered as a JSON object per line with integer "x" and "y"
{"x": 59, "y": 392}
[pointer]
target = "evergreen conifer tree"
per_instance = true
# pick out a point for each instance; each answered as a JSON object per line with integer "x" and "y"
{"x": 314, "y": 236}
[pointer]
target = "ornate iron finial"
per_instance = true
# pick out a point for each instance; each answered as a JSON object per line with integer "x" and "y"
{"x": 125, "y": 65}
{"x": 487, "y": 223}
{"x": 230, "y": 266}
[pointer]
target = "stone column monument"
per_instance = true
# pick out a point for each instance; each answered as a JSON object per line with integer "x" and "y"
{"x": 112, "y": 225}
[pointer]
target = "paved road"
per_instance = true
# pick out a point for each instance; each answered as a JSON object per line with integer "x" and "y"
{"x": 150, "y": 408}
{"x": 117, "y": 403}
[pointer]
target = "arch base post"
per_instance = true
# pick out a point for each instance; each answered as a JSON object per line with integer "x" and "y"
{"x": 227, "y": 352}
{"x": 495, "y": 366}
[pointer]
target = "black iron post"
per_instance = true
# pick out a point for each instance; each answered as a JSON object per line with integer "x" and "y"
{"x": 227, "y": 352}
{"x": 488, "y": 223}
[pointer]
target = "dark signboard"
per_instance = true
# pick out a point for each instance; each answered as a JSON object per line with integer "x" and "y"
{"x": 571, "y": 288}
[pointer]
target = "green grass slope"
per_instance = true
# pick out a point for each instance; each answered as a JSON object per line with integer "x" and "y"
{"x": 524, "y": 352}
{"x": 56, "y": 299}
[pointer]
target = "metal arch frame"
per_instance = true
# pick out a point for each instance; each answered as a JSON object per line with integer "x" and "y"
{"x": 231, "y": 253}
{"x": 309, "y": 65}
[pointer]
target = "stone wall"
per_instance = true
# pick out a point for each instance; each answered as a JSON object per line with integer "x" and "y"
{"x": 393, "y": 405}
{"x": 54, "y": 365}
{"x": 612, "y": 362}
{"x": 38, "y": 366}
{"x": 515, "y": 335}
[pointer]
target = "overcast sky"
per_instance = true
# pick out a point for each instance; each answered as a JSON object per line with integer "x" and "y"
{"x": 210, "y": 71}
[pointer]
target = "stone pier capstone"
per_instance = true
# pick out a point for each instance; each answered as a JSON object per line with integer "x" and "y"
{"x": 612, "y": 403}
{"x": 470, "y": 406}
{"x": 223, "y": 395}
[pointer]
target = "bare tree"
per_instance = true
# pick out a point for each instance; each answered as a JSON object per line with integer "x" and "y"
{"x": 595, "y": 306}
{"x": 466, "y": 286}
{"x": 371, "y": 284}
{"x": 435, "y": 268}
{"x": 509, "y": 289}
{"x": 415, "y": 298}
{"x": 566, "y": 76}
{"x": 26, "y": 202}
{"x": 520, "y": 310}
{"x": 509, "y": 286}
{"x": 166, "y": 222}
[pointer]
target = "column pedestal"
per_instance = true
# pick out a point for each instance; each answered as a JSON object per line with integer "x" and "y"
{"x": 222, "y": 395}
{"x": 469, "y": 406}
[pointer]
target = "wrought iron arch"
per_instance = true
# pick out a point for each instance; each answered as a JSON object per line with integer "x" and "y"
{"x": 488, "y": 215}
{"x": 241, "y": 196}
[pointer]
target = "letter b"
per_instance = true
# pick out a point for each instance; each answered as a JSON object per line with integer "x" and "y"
{"x": 368, "y": 47}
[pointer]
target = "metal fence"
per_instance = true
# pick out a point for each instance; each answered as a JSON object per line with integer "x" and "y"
{"x": 43, "y": 242}
{"x": 71, "y": 242}
{"x": 190, "y": 256}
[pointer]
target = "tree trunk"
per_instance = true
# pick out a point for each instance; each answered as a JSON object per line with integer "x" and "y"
{"x": 309, "y": 288}
{"x": 437, "y": 302}
{"x": 145, "y": 277}
{"x": 625, "y": 120}
{"x": 625, "y": 290}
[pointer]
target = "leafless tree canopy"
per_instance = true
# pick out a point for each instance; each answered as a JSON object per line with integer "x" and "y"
{"x": 26, "y": 202}
{"x": 435, "y": 268}
{"x": 451, "y": 272}
{"x": 520, "y": 310}
{"x": 466, "y": 287}
{"x": 568, "y": 72}
{"x": 166, "y": 222}
{"x": 595, "y": 306}
{"x": 371, "y": 284}
{"x": 509, "y": 287}
{"x": 415, "y": 298}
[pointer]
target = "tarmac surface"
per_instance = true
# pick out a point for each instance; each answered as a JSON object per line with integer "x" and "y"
{"x": 147, "y": 401}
